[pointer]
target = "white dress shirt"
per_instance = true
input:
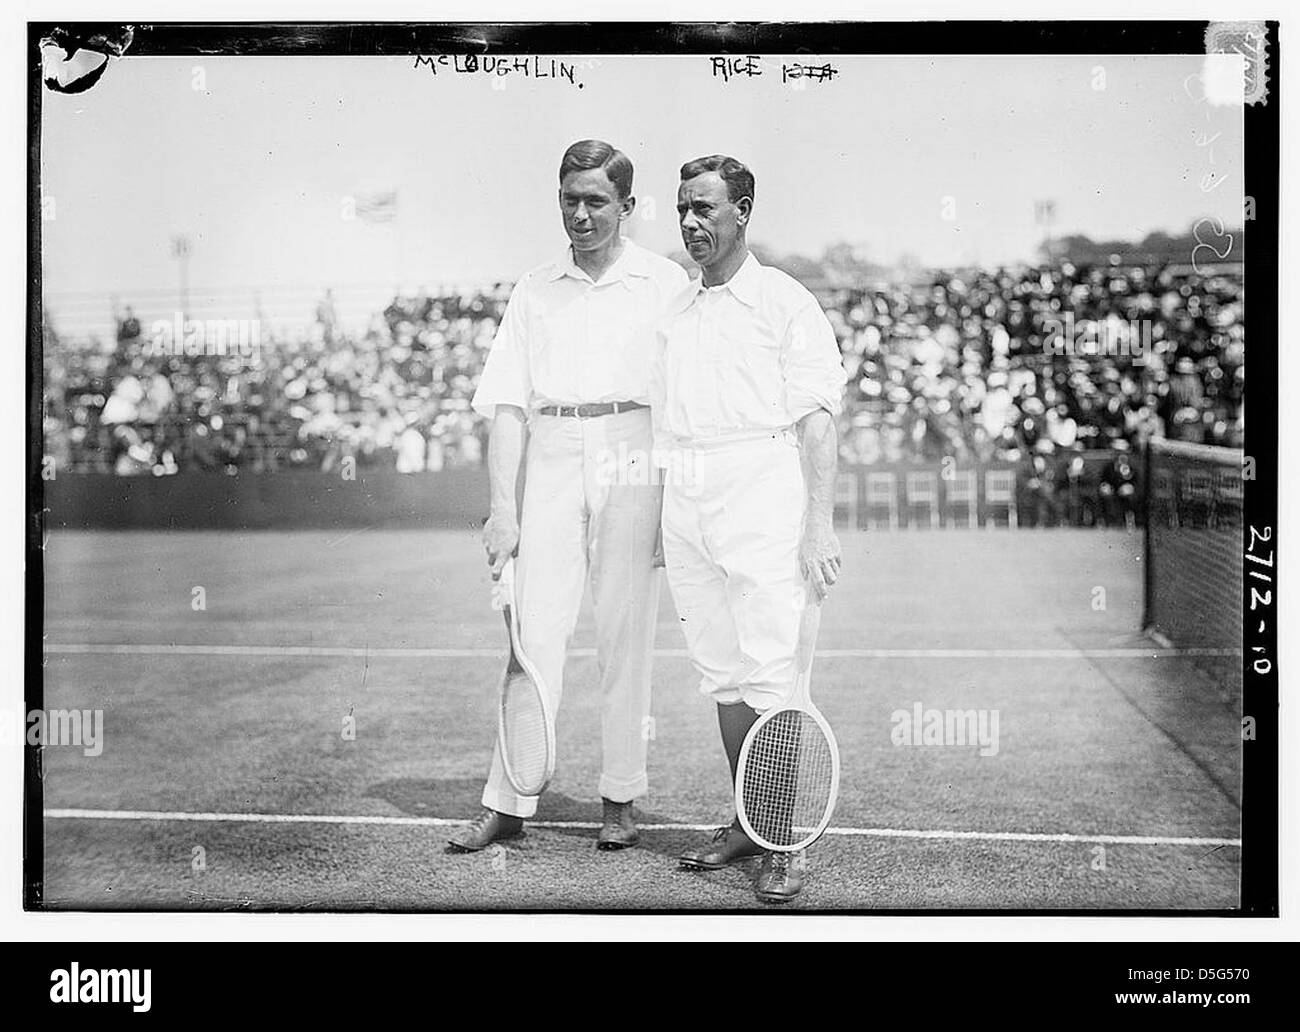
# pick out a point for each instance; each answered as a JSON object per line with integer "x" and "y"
{"x": 743, "y": 359}
{"x": 567, "y": 340}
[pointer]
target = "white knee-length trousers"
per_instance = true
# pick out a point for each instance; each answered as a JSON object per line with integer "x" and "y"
{"x": 732, "y": 524}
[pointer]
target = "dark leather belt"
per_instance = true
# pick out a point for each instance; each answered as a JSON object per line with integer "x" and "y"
{"x": 604, "y": 408}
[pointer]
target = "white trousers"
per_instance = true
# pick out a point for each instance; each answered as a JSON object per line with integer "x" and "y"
{"x": 732, "y": 526}
{"x": 590, "y": 515}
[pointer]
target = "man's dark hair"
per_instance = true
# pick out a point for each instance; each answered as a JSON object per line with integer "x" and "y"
{"x": 737, "y": 176}
{"x": 589, "y": 154}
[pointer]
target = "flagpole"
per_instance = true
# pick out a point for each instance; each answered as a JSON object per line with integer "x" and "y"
{"x": 401, "y": 251}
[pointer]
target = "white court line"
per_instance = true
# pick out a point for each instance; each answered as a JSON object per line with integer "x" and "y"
{"x": 74, "y": 649}
{"x": 442, "y": 822}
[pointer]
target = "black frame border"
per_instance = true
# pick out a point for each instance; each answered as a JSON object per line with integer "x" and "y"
{"x": 1260, "y": 815}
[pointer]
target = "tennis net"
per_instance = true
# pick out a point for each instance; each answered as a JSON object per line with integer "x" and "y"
{"x": 1194, "y": 545}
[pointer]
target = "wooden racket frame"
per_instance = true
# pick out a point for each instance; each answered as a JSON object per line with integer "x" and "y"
{"x": 801, "y": 701}
{"x": 518, "y": 662}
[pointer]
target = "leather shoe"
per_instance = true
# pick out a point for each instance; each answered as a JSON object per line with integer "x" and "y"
{"x": 728, "y": 845}
{"x": 781, "y": 877}
{"x": 618, "y": 830}
{"x": 489, "y": 827}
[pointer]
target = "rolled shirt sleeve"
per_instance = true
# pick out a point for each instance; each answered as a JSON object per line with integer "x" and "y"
{"x": 811, "y": 365}
{"x": 506, "y": 379}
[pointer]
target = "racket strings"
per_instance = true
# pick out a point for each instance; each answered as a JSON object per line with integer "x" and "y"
{"x": 788, "y": 778}
{"x": 524, "y": 742}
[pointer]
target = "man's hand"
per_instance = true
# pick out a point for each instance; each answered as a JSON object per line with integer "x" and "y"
{"x": 500, "y": 539}
{"x": 819, "y": 556}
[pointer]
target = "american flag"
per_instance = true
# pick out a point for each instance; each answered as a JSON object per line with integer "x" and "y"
{"x": 376, "y": 205}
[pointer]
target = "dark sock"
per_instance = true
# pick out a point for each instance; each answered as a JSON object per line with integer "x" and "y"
{"x": 734, "y": 721}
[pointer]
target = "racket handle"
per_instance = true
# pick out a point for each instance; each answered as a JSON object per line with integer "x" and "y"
{"x": 513, "y": 555}
{"x": 806, "y": 649}
{"x": 810, "y": 623}
{"x": 503, "y": 587}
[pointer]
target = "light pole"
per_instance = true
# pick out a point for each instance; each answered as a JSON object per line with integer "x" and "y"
{"x": 1045, "y": 216}
{"x": 182, "y": 248}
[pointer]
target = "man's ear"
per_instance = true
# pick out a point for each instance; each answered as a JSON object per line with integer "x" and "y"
{"x": 744, "y": 207}
{"x": 625, "y": 210}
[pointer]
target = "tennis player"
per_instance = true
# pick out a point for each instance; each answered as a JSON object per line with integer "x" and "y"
{"x": 567, "y": 382}
{"x": 747, "y": 382}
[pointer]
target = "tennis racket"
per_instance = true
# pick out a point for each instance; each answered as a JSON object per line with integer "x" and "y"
{"x": 788, "y": 776}
{"x": 525, "y": 730}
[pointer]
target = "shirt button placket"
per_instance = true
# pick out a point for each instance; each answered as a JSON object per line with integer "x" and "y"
{"x": 589, "y": 346}
{"x": 586, "y": 428}
{"x": 712, "y": 326}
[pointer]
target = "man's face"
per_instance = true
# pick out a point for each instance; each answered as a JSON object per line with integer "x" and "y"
{"x": 712, "y": 225}
{"x": 592, "y": 209}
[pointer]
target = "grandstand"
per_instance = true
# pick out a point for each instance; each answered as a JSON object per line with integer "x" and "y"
{"x": 953, "y": 379}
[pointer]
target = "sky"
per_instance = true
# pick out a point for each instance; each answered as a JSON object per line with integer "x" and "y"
{"x": 940, "y": 158}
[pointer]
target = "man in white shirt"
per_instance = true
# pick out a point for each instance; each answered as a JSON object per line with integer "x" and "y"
{"x": 569, "y": 369}
{"x": 745, "y": 388}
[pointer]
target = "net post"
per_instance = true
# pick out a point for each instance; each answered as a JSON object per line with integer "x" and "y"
{"x": 1148, "y": 569}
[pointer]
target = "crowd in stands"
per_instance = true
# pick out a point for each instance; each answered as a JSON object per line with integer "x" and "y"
{"x": 396, "y": 396}
{"x": 1061, "y": 372}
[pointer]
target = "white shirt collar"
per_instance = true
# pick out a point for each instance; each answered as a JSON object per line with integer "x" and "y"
{"x": 744, "y": 284}
{"x": 630, "y": 262}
